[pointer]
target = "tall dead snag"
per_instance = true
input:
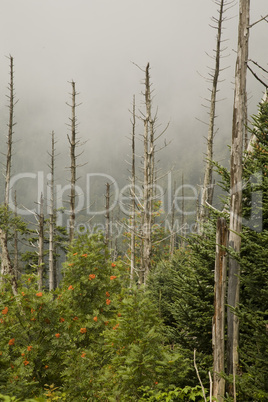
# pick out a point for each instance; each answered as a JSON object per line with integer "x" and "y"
{"x": 134, "y": 203}
{"x": 41, "y": 221}
{"x": 6, "y": 266}
{"x": 142, "y": 204}
{"x": 236, "y": 189}
{"x": 11, "y": 124}
{"x": 51, "y": 269}
{"x": 16, "y": 241}
{"x": 73, "y": 143}
{"x": 172, "y": 234}
{"x": 132, "y": 195}
{"x": 206, "y": 195}
{"x": 148, "y": 177}
{"x": 246, "y": 122}
{"x": 183, "y": 213}
{"x": 107, "y": 216}
{"x": 218, "y": 325}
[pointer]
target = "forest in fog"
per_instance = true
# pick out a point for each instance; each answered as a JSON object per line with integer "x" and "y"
{"x": 134, "y": 202}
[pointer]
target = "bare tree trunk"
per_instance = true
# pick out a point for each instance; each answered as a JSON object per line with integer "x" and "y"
{"x": 207, "y": 185}
{"x": 107, "y": 216}
{"x": 56, "y": 270}
{"x": 172, "y": 235}
{"x": 236, "y": 189}
{"x": 182, "y": 211}
{"x": 16, "y": 250}
{"x": 133, "y": 202}
{"x": 40, "y": 267}
{"x": 6, "y": 266}
{"x": 115, "y": 249}
{"x": 73, "y": 143}
{"x": 246, "y": 122}
{"x": 145, "y": 206}
{"x": 51, "y": 268}
{"x": 11, "y": 124}
{"x": 218, "y": 327}
{"x": 148, "y": 175}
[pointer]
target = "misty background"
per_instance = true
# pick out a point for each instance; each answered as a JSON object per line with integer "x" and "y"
{"x": 95, "y": 43}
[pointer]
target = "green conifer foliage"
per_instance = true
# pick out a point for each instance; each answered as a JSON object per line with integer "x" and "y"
{"x": 253, "y": 310}
{"x": 183, "y": 290}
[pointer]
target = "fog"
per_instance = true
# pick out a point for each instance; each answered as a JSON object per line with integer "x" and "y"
{"x": 96, "y": 43}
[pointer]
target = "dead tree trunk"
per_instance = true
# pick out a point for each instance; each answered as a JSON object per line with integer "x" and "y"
{"x": 183, "y": 213}
{"x": 144, "y": 203}
{"x": 51, "y": 269}
{"x": 206, "y": 195}
{"x": 132, "y": 196}
{"x": 40, "y": 266}
{"x": 172, "y": 234}
{"x": 218, "y": 326}
{"x": 148, "y": 175}
{"x": 246, "y": 122}
{"x": 238, "y": 130}
{"x": 16, "y": 248}
{"x": 11, "y": 124}
{"x": 107, "y": 216}
{"x": 73, "y": 143}
{"x": 6, "y": 266}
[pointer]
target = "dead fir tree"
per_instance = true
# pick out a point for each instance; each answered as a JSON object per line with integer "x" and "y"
{"x": 11, "y": 124}
{"x": 38, "y": 241}
{"x": 207, "y": 188}
{"x": 149, "y": 139}
{"x": 183, "y": 214}
{"x": 148, "y": 176}
{"x": 180, "y": 232}
{"x": 132, "y": 195}
{"x": 41, "y": 222}
{"x": 142, "y": 198}
{"x": 52, "y": 217}
{"x": 74, "y": 142}
{"x": 16, "y": 240}
{"x": 172, "y": 232}
{"x": 238, "y": 128}
{"x": 107, "y": 216}
{"x": 218, "y": 323}
{"x": 134, "y": 202}
{"x": 239, "y": 123}
{"x": 6, "y": 265}
{"x": 144, "y": 205}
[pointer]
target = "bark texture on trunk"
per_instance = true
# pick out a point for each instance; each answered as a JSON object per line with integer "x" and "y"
{"x": 41, "y": 221}
{"x": 6, "y": 265}
{"x": 11, "y": 124}
{"x": 238, "y": 131}
{"x": 218, "y": 327}
{"x": 51, "y": 265}
{"x": 132, "y": 196}
{"x": 73, "y": 143}
{"x": 107, "y": 216}
{"x": 207, "y": 190}
{"x": 148, "y": 141}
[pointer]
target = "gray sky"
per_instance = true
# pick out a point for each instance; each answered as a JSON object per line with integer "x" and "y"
{"x": 94, "y": 42}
